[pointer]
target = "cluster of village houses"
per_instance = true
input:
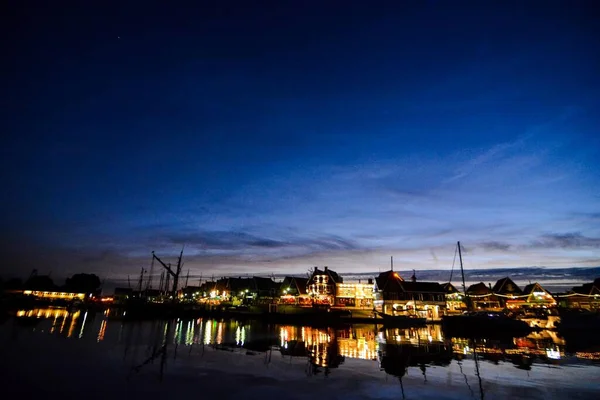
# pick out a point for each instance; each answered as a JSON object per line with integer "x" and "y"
{"x": 388, "y": 293}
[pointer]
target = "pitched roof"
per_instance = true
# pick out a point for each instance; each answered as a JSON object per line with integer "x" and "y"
{"x": 506, "y": 286}
{"x": 297, "y": 282}
{"x": 588, "y": 288}
{"x": 265, "y": 283}
{"x": 239, "y": 284}
{"x": 391, "y": 281}
{"x": 301, "y": 284}
{"x": 479, "y": 289}
{"x": 334, "y": 276}
{"x": 533, "y": 286}
{"x": 449, "y": 288}
{"x": 423, "y": 287}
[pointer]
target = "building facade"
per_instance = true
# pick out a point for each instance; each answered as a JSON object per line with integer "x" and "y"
{"x": 395, "y": 296}
{"x": 481, "y": 297}
{"x": 322, "y": 286}
{"x": 455, "y": 300}
{"x": 586, "y": 297}
{"x": 293, "y": 290}
{"x": 537, "y": 297}
{"x": 508, "y": 293}
{"x": 357, "y": 295}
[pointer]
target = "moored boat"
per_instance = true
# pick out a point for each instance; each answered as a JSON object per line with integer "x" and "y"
{"x": 474, "y": 324}
{"x": 402, "y": 321}
{"x": 484, "y": 324}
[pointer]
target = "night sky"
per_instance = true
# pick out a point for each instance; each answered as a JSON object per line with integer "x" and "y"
{"x": 275, "y": 136}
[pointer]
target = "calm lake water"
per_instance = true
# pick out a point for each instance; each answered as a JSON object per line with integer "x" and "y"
{"x": 52, "y": 350}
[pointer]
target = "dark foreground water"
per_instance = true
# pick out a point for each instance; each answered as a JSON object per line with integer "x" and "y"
{"x": 51, "y": 352}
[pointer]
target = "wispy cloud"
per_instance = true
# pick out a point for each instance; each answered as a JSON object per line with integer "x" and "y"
{"x": 571, "y": 240}
{"x": 500, "y": 204}
{"x": 496, "y": 246}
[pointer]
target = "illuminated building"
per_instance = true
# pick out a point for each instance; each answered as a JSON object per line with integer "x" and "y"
{"x": 586, "y": 297}
{"x": 482, "y": 297}
{"x": 293, "y": 290}
{"x": 537, "y": 296}
{"x": 322, "y": 286}
{"x": 238, "y": 291}
{"x": 395, "y": 296}
{"x": 455, "y": 300}
{"x": 508, "y": 293}
{"x": 48, "y": 295}
{"x": 358, "y": 295}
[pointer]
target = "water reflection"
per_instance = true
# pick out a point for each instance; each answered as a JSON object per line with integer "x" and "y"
{"x": 395, "y": 349}
{"x": 399, "y": 349}
{"x": 62, "y": 321}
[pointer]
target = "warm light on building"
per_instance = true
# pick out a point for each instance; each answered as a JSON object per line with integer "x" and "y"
{"x": 54, "y": 295}
{"x": 354, "y": 294}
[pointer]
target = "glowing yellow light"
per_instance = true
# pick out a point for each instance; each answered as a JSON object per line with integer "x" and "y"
{"x": 102, "y": 330}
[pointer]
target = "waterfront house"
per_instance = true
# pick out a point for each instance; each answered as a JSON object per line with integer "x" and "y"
{"x": 395, "y": 296}
{"x": 359, "y": 295}
{"x": 455, "y": 300}
{"x": 322, "y": 286}
{"x": 586, "y": 296}
{"x": 265, "y": 290}
{"x": 538, "y": 297}
{"x": 508, "y": 293}
{"x": 240, "y": 290}
{"x": 214, "y": 290}
{"x": 293, "y": 290}
{"x": 481, "y": 297}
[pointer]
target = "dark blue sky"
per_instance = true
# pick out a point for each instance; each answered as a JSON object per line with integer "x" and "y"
{"x": 278, "y": 136}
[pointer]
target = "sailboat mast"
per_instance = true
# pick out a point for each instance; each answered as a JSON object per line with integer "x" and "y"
{"x": 462, "y": 272}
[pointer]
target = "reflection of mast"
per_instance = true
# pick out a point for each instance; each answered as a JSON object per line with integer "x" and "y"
{"x": 402, "y": 388}
{"x": 459, "y": 361}
{"x": 477, "y": 369}
{"x": 156, "y": 353}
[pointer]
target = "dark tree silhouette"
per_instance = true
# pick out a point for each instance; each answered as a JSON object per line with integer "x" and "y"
{"x": 83, "y": 283}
